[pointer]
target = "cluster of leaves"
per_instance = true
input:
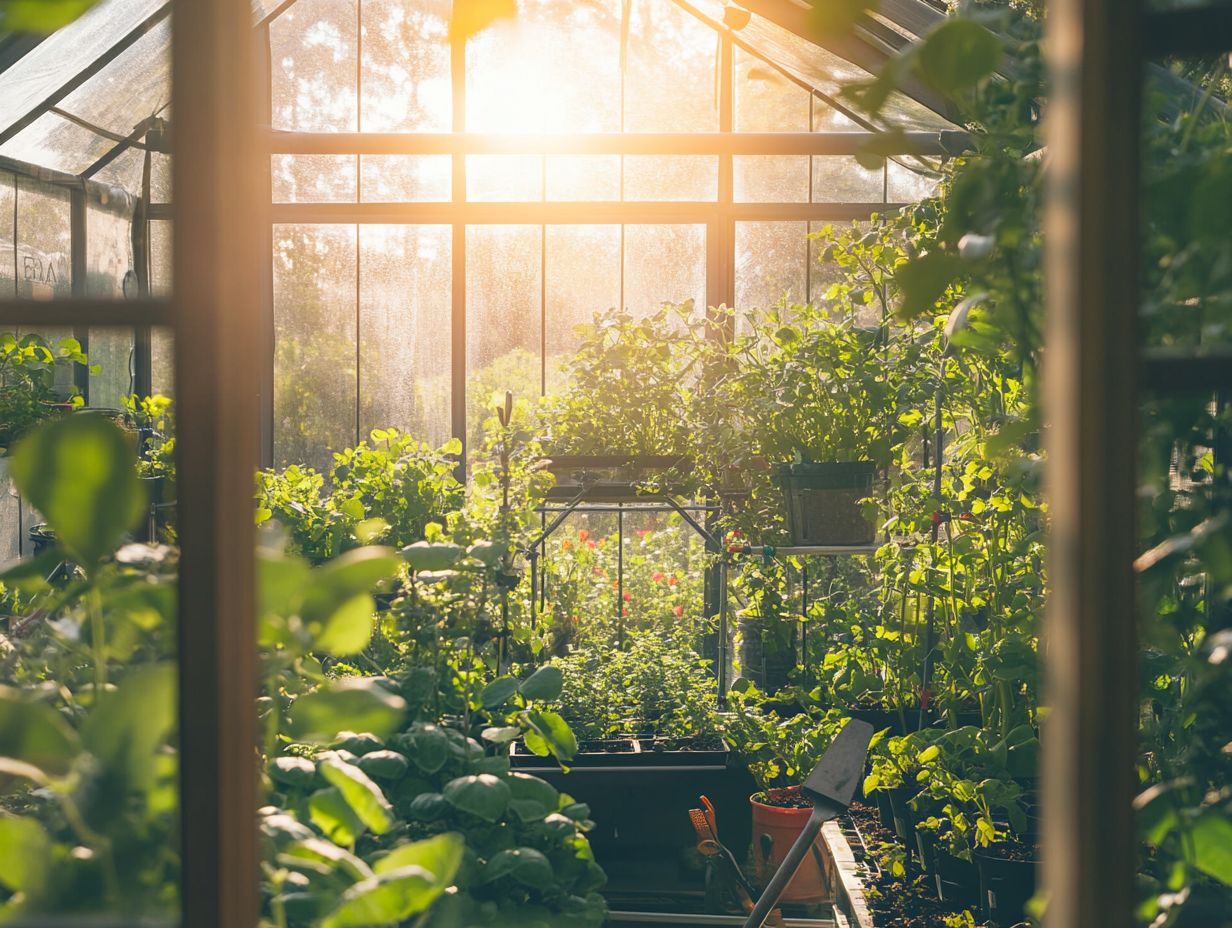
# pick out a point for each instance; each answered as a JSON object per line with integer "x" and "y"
{"x": 396, "y": 479}
{"x": 30, "y": 390}
{"x": 656, "y": 688}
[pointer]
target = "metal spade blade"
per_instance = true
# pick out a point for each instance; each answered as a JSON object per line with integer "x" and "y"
{"x": 830, "y": 788}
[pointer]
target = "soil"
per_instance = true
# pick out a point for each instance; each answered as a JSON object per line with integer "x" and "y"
{"x": 787, "y": 797}
{"x": 704, "y": 743}
{"x": 895, "y": 902}
{"x": 614, "y": 746}
{"x": 1013, "y": 850}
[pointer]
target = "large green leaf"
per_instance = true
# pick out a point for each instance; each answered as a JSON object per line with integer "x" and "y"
{"x": 358, "y": 703}
{"x": 329, "y": 811}
{"x": 924, "y": 280}
{"x": 331, "y": 855}
{"x": 349, "y": 627}
{"x": 957, "y": 55}
{"x": 1212, "y": 845}
{"x": 545, "y": 683}
{"x": 362, "y": 795}
{"x": 440, "y": 855}
{"x": 131, "y": 724}
{"x": 25, "y": 855}
{"x": 81, "y": 473}
{"x": 498, "y": 692}
{"x": 35, "y": 733}
{"x": 336, "y": 582}
{"x": 41, "y": 17}
{"x": 550, "y": 734}
{"x": 386, "y": 899}
{"x": 482, "y": 795}
{"x": 524, "y": 864}
{"x": 533, "y": 798}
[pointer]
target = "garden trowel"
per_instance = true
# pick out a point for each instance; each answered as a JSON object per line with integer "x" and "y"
{"x": 830, "y": 787}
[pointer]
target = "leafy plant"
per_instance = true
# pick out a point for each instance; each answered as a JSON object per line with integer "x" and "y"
{"x": 30, "y": 390}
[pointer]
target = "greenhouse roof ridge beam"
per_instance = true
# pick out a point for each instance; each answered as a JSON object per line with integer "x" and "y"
{"x": 860, "y": 48}
{"x": 95, "y": 66}
{"x": 605, "y": 143}
{"x": 117, "y": 198}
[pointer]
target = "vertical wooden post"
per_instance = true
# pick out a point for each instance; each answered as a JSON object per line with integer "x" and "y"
{"x": 1092, "y": 250}
{"x": 217, "y": 282}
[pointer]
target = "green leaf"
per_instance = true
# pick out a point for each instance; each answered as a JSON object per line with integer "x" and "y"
{"x": 81, "y": 473}
{"x": 387, "y": 899}
{"x": 533, "y": 798}
{"x": 545, "y": 683}
{"x": 1212, "y": 844}
{"x": 41, "y": 17}
{"x": 329, "y": 811}
{"x": 957, "y": 55}
{"x": 551, "y": 733}
{"x": 25, "y": 855}
{"x": 361, "y": 794}
{"x": 334, "y": 857}
{"x": 338, "y": 581}
{"x": 126, "y": 729}
{"x": 426, "y": 555}
{"x": 483, "y": 795}
{"x": 429, "y": 748}
{"x": 352, "y": 702}
{"x": 524, "y": 864}
{"x": 348, "y": 628}
{"x": 298, "y": 772}
{"x": 35, "y": 733}
{"x": 440, "y": 855}
{"x": 385, "y": 765}
{"x": 924, "y": 280}
{"x": 497, "y": 692}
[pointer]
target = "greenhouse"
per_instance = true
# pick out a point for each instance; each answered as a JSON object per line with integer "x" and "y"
{"x": 581, "y": 462}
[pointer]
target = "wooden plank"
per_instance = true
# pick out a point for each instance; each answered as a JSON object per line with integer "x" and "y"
{"x": 217, "y": 281}
{"x": 1092, "y": 250}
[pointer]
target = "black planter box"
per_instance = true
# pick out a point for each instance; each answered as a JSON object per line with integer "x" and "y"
{"x": 640, "y": 795}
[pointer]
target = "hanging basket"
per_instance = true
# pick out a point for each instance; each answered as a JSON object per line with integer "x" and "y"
{"x": 823, "y": 502}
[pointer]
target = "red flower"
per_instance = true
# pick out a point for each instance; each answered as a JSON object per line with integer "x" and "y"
{"x": 583, "y": 535}
{"x": 591, "y": 545}
{"x": 672, "y": 581}
{"x": 677, "y": 611}
{"x": 628, "y": 597}
{"x": 567, "y": 544}
{"x": 658, "y": 576}
{"x": 624, "y": 610}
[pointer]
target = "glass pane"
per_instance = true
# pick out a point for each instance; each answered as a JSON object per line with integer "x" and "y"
{"x": 160, "y": 178}
{"x": 841, "y": 179}
{"x": 770, "y": 178}
{"x": 312, "y": 178}
{"x": 131, "y": 88}
{"x": 312, "y": 49}
{"x": 405, "y": 178}
{"x": 9, "y": 264}
{"x": 110, "y": 274}
{"x": 405, "y": 344}
{"x": 909, "y": 181}
{"x": 589, "y": 178}
{"x": 583, "y": 278}
{"x": 53, "y": 142}
{"x": 124, "y": 172}
{"x": 766, "y": 100}
{"x": 503, "y": 316}
{"x": 664, "y": 263}
{"x": 51, "y": 63}
{"x": 504, "y": 177}
{"x": 43, "y": 241}
{"x": 670, "y": 81}
{"x": 1186, "y": 188}
{"x": 162, "y": 363}
{"x": 314, "y": 343}
{"x": 406, "y": 85}
{"x": 671, "y": 177}
{"x": 771, "y": 263}
{"x": 555, "y": 67}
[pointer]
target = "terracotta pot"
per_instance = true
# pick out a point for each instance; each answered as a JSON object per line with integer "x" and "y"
{"x": 775, "y": 829}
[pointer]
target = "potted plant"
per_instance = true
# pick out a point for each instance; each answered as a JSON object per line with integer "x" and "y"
{"x": 816, "y": 396}
{"x": 781, "y": 753}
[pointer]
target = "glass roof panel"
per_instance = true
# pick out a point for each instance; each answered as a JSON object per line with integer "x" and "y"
{"x": 53, "y": 142}
{"x": 822, "y": 70}
{"x": 133, "y": 87}
{"x": 671, "y": 81}
{"x": 62, "y": 55}
{"x": 124, "y": 171}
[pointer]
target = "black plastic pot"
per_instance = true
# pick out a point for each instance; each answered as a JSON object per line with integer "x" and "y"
{"x": 904, "y": 818}
{"x": 885, "y": 811}
{"x": 957, "y": 881}
{"x": 640, "y": 799}
{"x": 823, "y": 501}
{"x": 768, "y": 667}
{"x": 1005, "y": 886}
